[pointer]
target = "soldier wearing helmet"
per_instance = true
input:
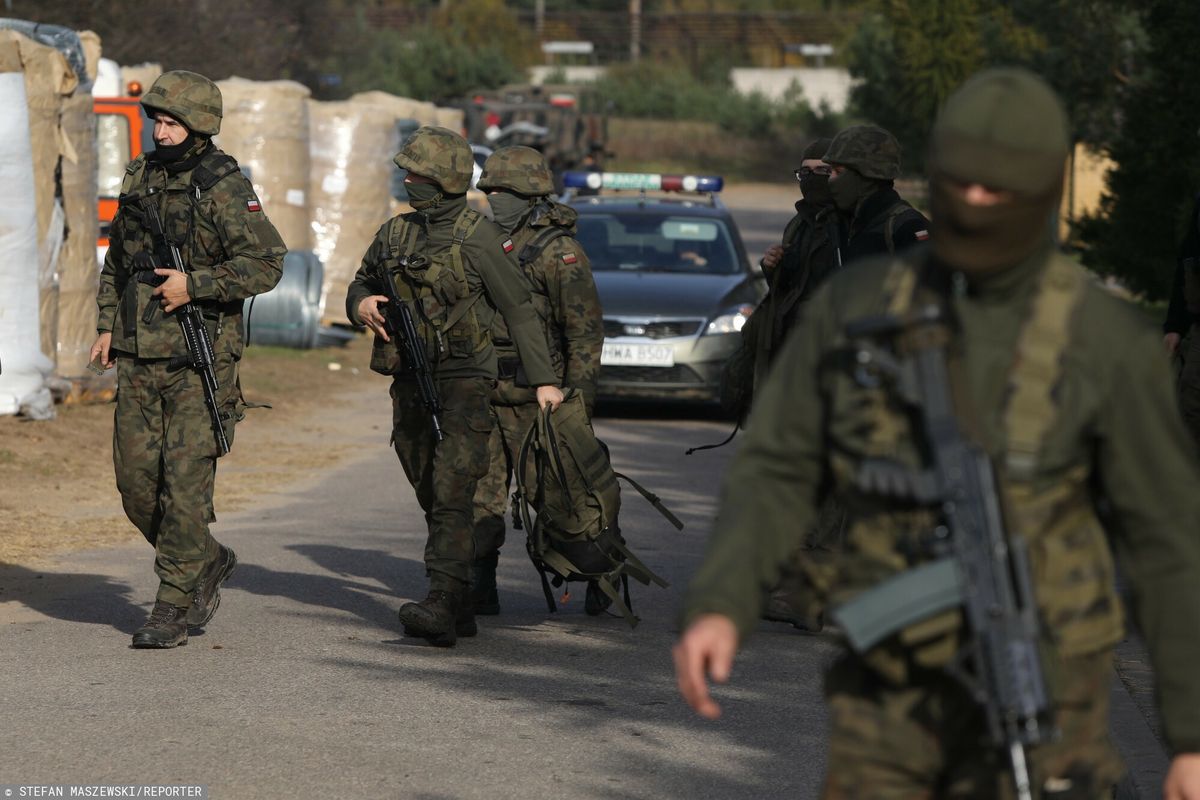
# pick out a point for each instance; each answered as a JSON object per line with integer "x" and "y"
{"x": 165, "y": 451}
{"x": 519, "y": 186}
{"x": 866, "y": 161}
{"x": 991, "y": 342}
{"x": 457, "y": 271}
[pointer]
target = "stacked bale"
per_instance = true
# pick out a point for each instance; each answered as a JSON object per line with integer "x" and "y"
{"x": 266, "y": 129}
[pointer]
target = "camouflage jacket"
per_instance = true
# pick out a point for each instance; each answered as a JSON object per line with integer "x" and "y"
{"x": 564, "y": 294}
{"x": 230, "y": 248}
{"x": 884, "y": 223}
{"x": 1117, "y": 444}
{"x": 491, "y": 272}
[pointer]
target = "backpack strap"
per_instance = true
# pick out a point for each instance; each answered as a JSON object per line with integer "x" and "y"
{"x": 211, "y": 169}
{"x": 652, "y": 499}
{"x": 889, "y": 226}
{"x": 534, "y": 247}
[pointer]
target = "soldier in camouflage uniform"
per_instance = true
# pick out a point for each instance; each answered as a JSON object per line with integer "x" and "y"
{"x": 519, "y": 186}
{"x": 1065, "y": 387}
{"x": 866, "y": 162}
{"x": 457, "y": 271}
{"x": 164, "y": 447}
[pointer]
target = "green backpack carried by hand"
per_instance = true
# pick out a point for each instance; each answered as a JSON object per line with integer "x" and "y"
{"x": 567, "y": 501}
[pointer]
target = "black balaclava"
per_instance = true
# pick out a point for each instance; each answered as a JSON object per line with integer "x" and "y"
{"x": 1006, "y": 130}
{"x": 815, "y": 188}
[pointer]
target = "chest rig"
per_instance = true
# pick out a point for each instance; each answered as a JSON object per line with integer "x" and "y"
{"x": 178, "y": 207}
{"x": 437, "y": 288}
{"x": 892, "y": 482}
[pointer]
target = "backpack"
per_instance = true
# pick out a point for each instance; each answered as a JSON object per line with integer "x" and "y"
{"x": 567, "y": 501}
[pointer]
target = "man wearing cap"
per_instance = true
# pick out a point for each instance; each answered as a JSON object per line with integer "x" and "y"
{"x": 519, "y": 186}
{"x": 1063, "y": 387}
{"x": 165, "y": 448}
{"x": 456, "y": 270}
{"x": 865, "y": 161}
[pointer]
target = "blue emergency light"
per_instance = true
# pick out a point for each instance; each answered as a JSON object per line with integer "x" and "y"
{"x": 642, "y": 181}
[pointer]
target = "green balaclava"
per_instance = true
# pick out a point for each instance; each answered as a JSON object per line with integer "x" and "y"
{"x": 509, "y": 208}
{"x": 424, "y": 196}
{"x": 851, "y": 188}
{"x": 1006, "y": 130}
{"x": 815, "y": 188}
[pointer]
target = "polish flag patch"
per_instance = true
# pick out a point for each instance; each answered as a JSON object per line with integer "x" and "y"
{"x": 922, "y": 236}
{"x": 253, "y": 205}
{"x": 507, "y": 245}
{"x": 569, "y": 258}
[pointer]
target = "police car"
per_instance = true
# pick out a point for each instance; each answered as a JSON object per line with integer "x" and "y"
{"x": 675, "y": 284}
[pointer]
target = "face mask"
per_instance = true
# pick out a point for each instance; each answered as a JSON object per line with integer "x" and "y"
{"x": 979, "y": 240}
{"x": 423, "y": 196}
{"x": 849, "y": 188}
{"x": 815, "y": 189}
{"x": 168, "y": 153}
{"x": 508, "y": 209}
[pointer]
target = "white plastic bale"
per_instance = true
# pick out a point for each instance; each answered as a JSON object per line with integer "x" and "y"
{"x": 79, "y": 278}
{"x": 22, "y": 366}
{"x": 352, "y": 146}
{"x": 265, "y": 127}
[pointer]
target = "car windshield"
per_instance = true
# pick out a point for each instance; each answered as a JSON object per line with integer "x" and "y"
{"x": 657, "y": 243}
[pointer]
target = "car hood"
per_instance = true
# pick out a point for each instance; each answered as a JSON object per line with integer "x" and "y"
{"x": 670, "y": 294}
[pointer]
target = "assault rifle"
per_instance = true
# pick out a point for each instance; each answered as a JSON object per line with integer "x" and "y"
{"x": 200, "y": 356}
{"x": 979, "y": 567}
{"x": 399, "y": 323}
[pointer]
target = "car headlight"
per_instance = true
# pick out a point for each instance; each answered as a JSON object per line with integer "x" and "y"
{"x": 731, "y": 320}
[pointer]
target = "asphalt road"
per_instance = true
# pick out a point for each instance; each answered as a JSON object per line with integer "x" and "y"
{"x": 304, "y": 687}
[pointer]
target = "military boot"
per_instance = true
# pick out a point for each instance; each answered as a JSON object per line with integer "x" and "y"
{"x": 595, "y": 600}
{"x": 439, "y": 617}
{"x": 207, "y": 594}
{"x": 166, "y": 627}
{"x": 484, "y": 599}
{"x": 787, "y": 604}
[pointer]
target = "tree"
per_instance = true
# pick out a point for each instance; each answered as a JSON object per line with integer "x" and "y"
{"x": 1145, "y": 209}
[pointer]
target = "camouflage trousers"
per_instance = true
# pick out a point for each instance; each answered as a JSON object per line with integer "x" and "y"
{"x": 510, "y": 424}
{"x": 1189, "y": 384}
{"x": 808, "y": 575}
{"x": 165, "y": 455}
{"x": 928, "y": 739}
{"x": 444, "y": 474}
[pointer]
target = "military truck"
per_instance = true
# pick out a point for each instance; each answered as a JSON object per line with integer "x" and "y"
{"x": 564, "y": 122}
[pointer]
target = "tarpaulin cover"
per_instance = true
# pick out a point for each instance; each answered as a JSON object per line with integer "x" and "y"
{"x": 22, "y": 366}
{"x": 265, "y": 128}
{"x": 78, "y": 273}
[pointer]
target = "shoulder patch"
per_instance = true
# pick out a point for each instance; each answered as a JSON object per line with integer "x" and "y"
{"x": 921, "y": 236}
{"x": 569, "y": 258}
{"x": 253, "y": 205}
{"x": 507, "y": 245}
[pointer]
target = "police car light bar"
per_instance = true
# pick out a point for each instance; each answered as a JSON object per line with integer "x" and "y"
{"x": 644, "y": 181}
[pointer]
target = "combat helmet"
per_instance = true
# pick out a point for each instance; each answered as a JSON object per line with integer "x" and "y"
{"x": 519, "y": 169}
{"x": 871, "y": 150}
{"x": 439, "y": 154}
{"x": 189, "y": 97}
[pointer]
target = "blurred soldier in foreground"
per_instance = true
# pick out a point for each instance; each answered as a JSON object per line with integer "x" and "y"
{"x": 451, "y": 268}
{"x": 865, "y": 161}
{"x": 519, "y": 185}
{"x": 1054, "y": 397}
{"x": 1183, "y": 314}
{"x": 166, "y": 437}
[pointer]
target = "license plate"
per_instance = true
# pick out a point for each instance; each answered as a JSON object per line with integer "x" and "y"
{"x": 637, "y": 355}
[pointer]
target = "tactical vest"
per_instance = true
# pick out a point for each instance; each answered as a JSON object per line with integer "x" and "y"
{"x": 178, "y": 208}
{"x": 438, "y": 292}
{"x": 1072, "y": 568}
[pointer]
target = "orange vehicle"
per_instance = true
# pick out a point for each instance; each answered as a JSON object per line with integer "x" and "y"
{"x": 122, "y": 133}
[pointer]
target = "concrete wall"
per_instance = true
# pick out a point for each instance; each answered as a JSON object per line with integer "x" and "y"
{"x": 830, "y": 85}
